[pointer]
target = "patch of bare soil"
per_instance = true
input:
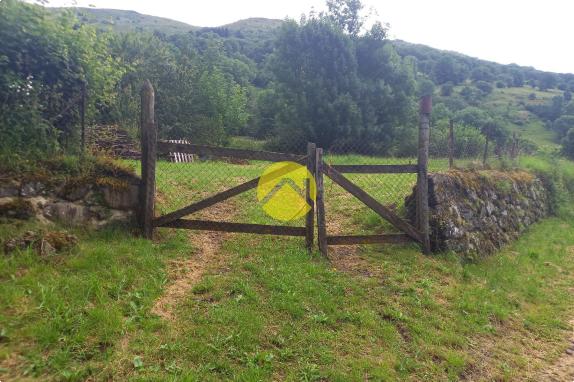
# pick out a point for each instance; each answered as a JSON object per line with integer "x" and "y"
{"x": 11, "y": 367}
{"x": 185, "y": 273}
{"x": 346, "y": 258}
{"x": 563, "y": 369}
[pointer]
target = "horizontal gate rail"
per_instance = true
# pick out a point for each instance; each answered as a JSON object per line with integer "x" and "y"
{"x": 372, "y": 203}
{"x": 369, "y": 239}
{"x": 377, "y": 168}
{"x": 237, "y": 227}
{"x": 217, "y": 198}
{"x": 164, "y": 147}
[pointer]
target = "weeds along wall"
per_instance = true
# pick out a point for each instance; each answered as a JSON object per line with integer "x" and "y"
{"x": 477, "y": 212}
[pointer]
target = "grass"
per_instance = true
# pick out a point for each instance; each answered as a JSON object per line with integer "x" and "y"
{"x": 509, "y": 104}
{"x": 273, "y": 312}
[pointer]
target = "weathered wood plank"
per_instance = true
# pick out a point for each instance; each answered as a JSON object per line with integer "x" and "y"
{"x": 320, "y": 203}
{"x": 167, "y": 147}
{"x": 372, "y": 203}
{"x": 217, "y": 198}
{"x": 237, "y": 227}
{"x": 310, "y": 218}
{"x": 377, "y": 168}
{"x": 422, "y": 180}
{"x": 369, "y": 239}
{"x": 148, "y": 159}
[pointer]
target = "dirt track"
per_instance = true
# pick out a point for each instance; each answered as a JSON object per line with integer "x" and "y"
{"x": 563, "y": 369}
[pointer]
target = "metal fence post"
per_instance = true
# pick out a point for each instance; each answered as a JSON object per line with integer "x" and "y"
{"x": 422, "y": 181}
{"x": 148, "y": 159}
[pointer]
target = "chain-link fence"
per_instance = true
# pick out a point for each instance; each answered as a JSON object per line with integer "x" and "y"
{"x": 346, "y": 215}
{"x": 464, "y": 147}
{"x": 190, "y": 179}
{"x": 183, "y": 179}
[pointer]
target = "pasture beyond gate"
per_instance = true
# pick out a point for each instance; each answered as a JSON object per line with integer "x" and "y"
{"x": 218, "y": 189}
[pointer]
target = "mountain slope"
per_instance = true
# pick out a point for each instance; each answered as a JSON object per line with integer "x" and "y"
{"x": 125, "y": 21}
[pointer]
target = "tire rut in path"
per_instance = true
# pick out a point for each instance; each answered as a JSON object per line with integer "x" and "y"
{"x": 184, "y": 274}
{"x": 563, "y": 369}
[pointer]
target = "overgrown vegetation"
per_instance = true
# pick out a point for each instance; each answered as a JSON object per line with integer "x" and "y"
{"x": 249, "y": 79}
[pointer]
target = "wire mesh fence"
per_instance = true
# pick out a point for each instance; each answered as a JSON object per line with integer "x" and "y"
{"x": 347, "y": 215}
{"x": 464, "y": 147}
{"x": 182, "y": 183}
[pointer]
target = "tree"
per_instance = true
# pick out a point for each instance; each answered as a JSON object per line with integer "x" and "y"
{"x": 338, "y": 90}
{"x": 482, "y": 73}
{"x": 197, "y": 97}
{"x": 446, "y": 89}
{"x": 483, "y": 86}
{"x": 472, "y": 95}
{"x": 563, "y": 124}
{"x": 568, "y": 144}
{"x": 447, "y": 70}
{"x": 569, "y": 109}
{"x": 316, "y": 77}
{"x": 44, "y": 60}
{"x": 346, "y": 14}
{"x": 472, "y": 116}
{"x": 517, "y": 78}
{"x": 547, "y": 81}
{"x": 549, "y": 111}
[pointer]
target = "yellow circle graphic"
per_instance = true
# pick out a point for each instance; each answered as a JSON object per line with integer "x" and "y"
{"x": 281, "y": 190}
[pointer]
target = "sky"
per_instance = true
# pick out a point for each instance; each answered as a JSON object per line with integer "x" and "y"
{"x": 526, "y": 32}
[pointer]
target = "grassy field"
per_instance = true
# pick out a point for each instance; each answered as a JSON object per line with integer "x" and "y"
{"x": 509, "y": 104}
{"x": 267, "y": 310}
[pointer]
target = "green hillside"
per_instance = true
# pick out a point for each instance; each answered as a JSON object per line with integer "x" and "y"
{"x": 129, "y": 21}
{"x": 254, "y": 25}
{"x": 513, "y": 102}
{"x": 124, "y": 21}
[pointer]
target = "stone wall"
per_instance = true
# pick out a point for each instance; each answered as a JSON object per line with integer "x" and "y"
{"x": 477, "y": 212}
{"x": 84, "y": 202}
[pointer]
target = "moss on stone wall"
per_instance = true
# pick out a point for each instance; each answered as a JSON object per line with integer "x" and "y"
{"x": 474, "y": 213}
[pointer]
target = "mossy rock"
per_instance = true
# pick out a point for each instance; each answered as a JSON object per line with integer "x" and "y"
{"x": 76, "y": 188}
{"x": 17, "y": 209}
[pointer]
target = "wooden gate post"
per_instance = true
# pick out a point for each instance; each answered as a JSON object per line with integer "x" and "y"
{"x": 321, "y": 222}
{"x": 310, "y": 218}
{"x": 422, "y": 181}
{"x": 148, "y": 159}
{"x": 451, "y": 144}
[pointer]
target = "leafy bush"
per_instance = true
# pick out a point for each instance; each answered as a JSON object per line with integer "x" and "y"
{"x": 568, "y": 144}
{"x": 557, "y": 175}
{"x": 43, "y": 62}
{"x": 483, "y": 86}
{"x": 446, "y": 89}
{"x": 563, "y": 124}
{"x": 469, "y": 142}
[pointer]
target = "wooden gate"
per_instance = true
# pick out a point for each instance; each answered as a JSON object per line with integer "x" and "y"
{"x": 152, "y": 148}
{"x": 313, "y": 159}
{"x": 409, "y": 233}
